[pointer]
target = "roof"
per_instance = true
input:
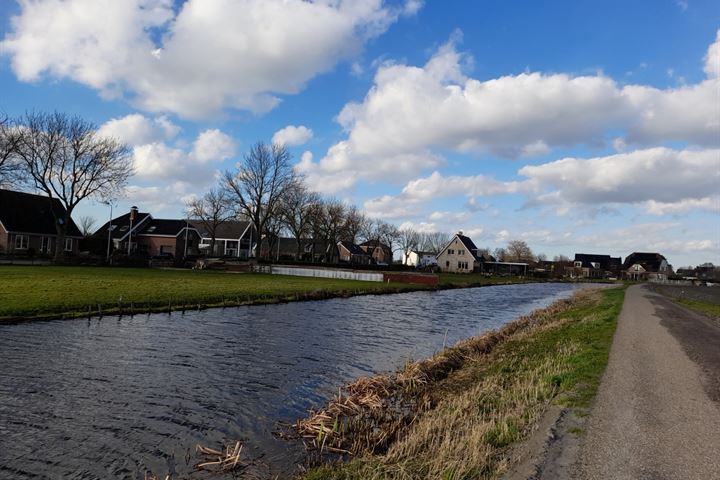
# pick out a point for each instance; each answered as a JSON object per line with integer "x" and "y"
{"x": 606, "y": 262}
{"x": 375, "y": 244}
{"x": 28, "y": 213}
{"x": 467, "y": 242}
{"x": 352, "y": 248}
{"x": 650, "y": 261}
{"x": 165, "y": 227}
{"x": 121, "y": 225}
{"x": 232, "y": 229}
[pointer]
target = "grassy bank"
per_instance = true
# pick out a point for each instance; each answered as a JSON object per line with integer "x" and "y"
{"x": 456, "y": 415}
{"x": 74, "y": 291}
{"x": 479, "y": 279}
{"x": 709, "y": 309}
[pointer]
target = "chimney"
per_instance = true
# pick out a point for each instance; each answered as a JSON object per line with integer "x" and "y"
{"x": 133, "y": 213}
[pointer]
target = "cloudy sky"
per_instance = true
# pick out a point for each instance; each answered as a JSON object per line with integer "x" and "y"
{"x": 577, "y": 126}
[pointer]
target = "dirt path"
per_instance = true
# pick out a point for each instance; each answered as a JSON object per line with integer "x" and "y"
{"x": 657, "y": 413}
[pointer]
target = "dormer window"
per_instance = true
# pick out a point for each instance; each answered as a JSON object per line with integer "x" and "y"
{"x": 151, "y": 229}
{"x": 124, "y": 228}
{"x": 578, "y": 264}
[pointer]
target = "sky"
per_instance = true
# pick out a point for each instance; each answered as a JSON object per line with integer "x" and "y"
{"x": 577, "y": 126}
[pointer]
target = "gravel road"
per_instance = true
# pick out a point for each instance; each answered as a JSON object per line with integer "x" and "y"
{"x": 657, "y": 413}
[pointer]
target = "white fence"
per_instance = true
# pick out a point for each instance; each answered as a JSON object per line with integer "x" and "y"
{"x": 327, "y": 273}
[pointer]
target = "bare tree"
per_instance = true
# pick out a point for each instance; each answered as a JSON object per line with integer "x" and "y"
{"x": 561, "y": 258}
{"x": 259, "y": 182}
{"x": 355, "y": 223}
{"x": 10, "y": 171}
{"x": 380, "y": 233}
{"x": 500, "y": 254}
{"x": 66, "y": 159}
{"x": 518, "y": 251}
{"x": 212, "y": 210}
{"x": 434, "y": 242}
{"x": 328, "y": 223}
{"x": 409, "y": 240}
{"x": 86, "y": 225}
{"x": 296, "y": 209}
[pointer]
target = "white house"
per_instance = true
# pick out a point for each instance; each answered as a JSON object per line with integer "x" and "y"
{"x": 419, "y": 259}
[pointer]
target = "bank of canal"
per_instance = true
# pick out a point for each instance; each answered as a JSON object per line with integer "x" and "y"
{"x": 120, "y": 396}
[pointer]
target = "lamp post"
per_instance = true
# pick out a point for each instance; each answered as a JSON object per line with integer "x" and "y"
{"x": 133, "y": 213}
{"x": 110, "y": 228}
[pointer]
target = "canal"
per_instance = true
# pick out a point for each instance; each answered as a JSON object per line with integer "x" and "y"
{"x": 116, "y": 397}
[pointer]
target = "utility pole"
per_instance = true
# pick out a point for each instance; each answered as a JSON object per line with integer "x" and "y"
{"x": 110, "y": 228}
{"x": 187, "y": 227}
{"x": 133, "y": 212}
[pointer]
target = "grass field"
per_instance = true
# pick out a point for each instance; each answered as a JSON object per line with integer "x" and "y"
{"x": 481, "y": 409}
{"x": 72, "y": 291}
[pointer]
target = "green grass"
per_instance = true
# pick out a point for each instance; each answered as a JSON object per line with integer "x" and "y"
{"x": 70, "y": 291}
{"x": 494, "y": 400}
{"x": 709, "y": 309}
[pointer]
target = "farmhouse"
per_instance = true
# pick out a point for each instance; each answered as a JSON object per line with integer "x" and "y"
{"x": 646, "y": 266}
{"x": 28, "y": 225}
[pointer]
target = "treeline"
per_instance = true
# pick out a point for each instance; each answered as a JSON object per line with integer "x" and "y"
{"x": 265, "y": 189}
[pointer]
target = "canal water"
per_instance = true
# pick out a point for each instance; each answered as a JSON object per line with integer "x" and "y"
{"x": 116, "y": 397}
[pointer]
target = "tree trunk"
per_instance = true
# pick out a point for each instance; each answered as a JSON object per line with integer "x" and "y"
{"x": 61, "y": 229}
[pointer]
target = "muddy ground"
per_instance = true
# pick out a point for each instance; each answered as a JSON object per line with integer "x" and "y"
{"x": 698, "y": 293}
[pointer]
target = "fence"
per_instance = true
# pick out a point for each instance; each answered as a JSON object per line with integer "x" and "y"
{"x": 324, "y": 273}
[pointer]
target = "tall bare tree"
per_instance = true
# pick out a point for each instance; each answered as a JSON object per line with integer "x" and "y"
{"x": 86, "y": 225}
{"x": 66, "y": 159}
{"x": 328, "y": 223}
{"x": 10, "y": 171}
{"x": 259, "y": 182}
{"x": 434, "y": 242}
{"x": 518, "y": 251}
{"x": 212, "y": 210}
{"x": 296, "y": 209}
{"x": 409, "y": 240}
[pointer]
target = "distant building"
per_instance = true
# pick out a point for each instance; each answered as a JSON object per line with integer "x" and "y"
{"x": 27, "y": 225}
{"x": 351, "y": 253}
{"x": 461, "y": 255}
{"x": 646, "y": 266}
{"x": 419, "y": 259}
{"x": 381, "y": 253}
{"x": 588, "y": 265}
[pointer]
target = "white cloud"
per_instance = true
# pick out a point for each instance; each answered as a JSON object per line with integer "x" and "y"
{"x": 212, "y": 145}
{"x": 411, "y": 112}
{"x": 659, "y": 174}
{"x": 292, "y": 135}
{"x": 208, "y": 56}
{"x": 168, "y": 197}
{"x": 712, "y": 58}
{"x": 136, "y": 129}
{"x": 438, "y": 185}
{"x": 711, "y": 204}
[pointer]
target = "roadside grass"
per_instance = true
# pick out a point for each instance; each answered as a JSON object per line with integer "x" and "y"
{"x": 495, "y": 399}
{"x": 41, "y": 291}
{"x": 709, "y": 309}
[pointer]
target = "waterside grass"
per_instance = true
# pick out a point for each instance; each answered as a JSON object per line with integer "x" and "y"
{"x": 469, "y": 404}
{"x": 28, "y": 292}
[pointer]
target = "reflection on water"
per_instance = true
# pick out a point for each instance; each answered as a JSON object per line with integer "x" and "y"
{"x": 116, "y": 397}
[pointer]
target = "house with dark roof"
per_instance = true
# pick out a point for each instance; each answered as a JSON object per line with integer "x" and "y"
{"x": 380, "y": 252}
{"x": 352, "y": 253}
{"x": 27, "y": 224}
{"x": 139, "y": 233}
{"x": 590, "y": 265}
{"x": 646, "y": 266}
{"x": 461, "y": 255}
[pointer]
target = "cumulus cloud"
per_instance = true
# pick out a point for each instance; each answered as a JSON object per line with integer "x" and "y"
{"x": 412, "y": 112}
{"x": 292, "y": 135}
{"x": 712, "y": 58}
{"x": 711, "y": 204}
{"x": 198, "y": 60}
{"x": 136, "y": 129}
{"x": 212, "y": 146}
{"x": 659, "y": 174}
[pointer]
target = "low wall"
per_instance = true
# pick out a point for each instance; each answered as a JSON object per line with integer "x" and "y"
{"x": 327, "y": 273}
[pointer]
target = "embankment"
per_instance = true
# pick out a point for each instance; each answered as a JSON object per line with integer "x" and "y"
{"x": 457, "y": 414}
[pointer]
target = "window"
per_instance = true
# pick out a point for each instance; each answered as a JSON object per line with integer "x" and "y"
{"x": 21, "y": 242}
{"x": 45, "y": 245}
{"x": 68, "y": 244}
{"x": 447, "y": 264}
{"x": 124, "y": 228}
{"x": 451, "y": 251}
{"x": 151, "y": 229}
{"x": 462, "y": 265}
{"x": 461, "y": 252}
{"x": 578, "y": 264}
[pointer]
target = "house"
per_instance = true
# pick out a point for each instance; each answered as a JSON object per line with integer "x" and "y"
{"x": 352, "y": 253}
{"x": 232, "y": 239}
{"x": 381, "y": 253}
{"x": 139, "y": 233}
{"x": 459, "y": 255}
{"x": 646, "y": 266}
{"x": 419, "y": 259}
{"x": 27, "y": 225}
{"x": 168, "y": 236}
{"x": 587, "y": 265}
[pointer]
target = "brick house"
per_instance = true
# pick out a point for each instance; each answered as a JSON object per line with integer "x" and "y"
{"x": 27, "y": 225}
{"x": 380, "y": 252}
{"x": 586, "y": 265}
{"x": 140, "y": 233}
{"x": 352, "y": 253}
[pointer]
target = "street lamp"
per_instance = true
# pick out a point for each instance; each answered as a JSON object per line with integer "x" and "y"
{"x": 110, "y": 228}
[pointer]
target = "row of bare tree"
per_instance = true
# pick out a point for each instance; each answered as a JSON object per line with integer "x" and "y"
{"x": 63, "y": 157}
{"x": 265, "y": 189}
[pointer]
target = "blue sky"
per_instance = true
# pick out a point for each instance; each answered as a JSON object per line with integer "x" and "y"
{"x": 578, "y": 126}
